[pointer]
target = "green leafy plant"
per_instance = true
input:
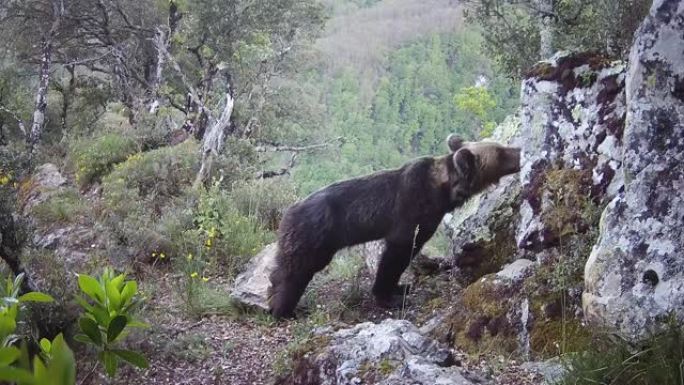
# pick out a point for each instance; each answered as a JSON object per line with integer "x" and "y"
{"x": 11, "y": 304}
{"x": 108, "y": 304}
{"x": 57, "y": 365}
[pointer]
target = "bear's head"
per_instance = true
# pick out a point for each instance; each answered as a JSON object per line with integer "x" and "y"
{"x": 477, "y": 165}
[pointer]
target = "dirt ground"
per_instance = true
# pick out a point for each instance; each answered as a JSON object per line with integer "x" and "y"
{"x": 249, "y": 349}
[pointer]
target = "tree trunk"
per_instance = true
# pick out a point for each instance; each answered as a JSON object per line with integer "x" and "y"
{"x": 38, "y": 123}
{"x": 160, "y": 42}
{"x": 213, "y": 141}
{"x": 546, "y": 28}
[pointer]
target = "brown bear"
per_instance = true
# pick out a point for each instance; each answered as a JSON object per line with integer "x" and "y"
{"x": 403, "y": 206}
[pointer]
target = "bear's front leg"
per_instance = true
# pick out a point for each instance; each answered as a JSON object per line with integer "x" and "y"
{"x": 394, "y": 260}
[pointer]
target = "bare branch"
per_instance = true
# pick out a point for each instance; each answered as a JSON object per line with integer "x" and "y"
{"x": 20, "y": 122}
{"x": 283, "y": 171}
{"x": 282, "y": 148}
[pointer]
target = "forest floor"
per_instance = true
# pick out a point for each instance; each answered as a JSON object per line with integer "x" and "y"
{"x": 251, "y": 349}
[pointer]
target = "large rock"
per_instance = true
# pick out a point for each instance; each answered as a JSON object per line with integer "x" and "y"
{"x": 393, "y": 352}
{"x": 573, "y": 114}
{"x": 494, "y": 311}
{"x": 635, "y": 275}
{"x": 45, "y": 181}
{"x": 251, "y": 288}
{"x": 482, "y": 231}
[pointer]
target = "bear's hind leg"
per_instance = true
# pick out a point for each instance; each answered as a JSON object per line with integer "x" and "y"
{"x": 289, "y": 280}
{"x": 287, "y": 290}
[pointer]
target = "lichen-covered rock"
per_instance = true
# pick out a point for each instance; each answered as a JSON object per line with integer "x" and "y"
{"x": 371, "y": 253}
{"x": 251, "y": 288}
{"x": 482, "y": 231}
{"x": 573, "y": 114}
{"x": 494, "y": 311}
{"x": 45, "y": 181}
{"x": 635, "y": 275}
{"x": 393, "y": 352}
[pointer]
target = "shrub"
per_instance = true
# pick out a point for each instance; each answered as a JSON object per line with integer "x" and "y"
{"x": 155, "y": 174}
{"x": 62, "y": 207}
{"x": 265, "y": 199}
{"x": 229, "y": 237}
{"x": 95, "y": 158}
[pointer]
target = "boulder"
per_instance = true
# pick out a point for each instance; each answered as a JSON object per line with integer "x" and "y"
{"x": 482, "y": 231}
{"x": 391, "y": 352}
{"x": 495, "y": 311}
{"x": 634, "y": 277}
{"x": 573, "y": 113}
{"x": 45, "y": 181}
{"x": 371, "y": 253}
{"x": 251, "y": 288}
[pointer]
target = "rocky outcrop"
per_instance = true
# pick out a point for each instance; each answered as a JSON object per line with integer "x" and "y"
{"x": 251, "y": 288}
{"x": 391, "y": 352}
{"x": 482, "y": 231}
{"x": 571, "y": 132}
{"x": 45, "y": 181}
{"x": 635, "y": 275}
{"x": 573, "y": 114}
{"x": 70, "y": 243}
{"x": 495, "y": 308}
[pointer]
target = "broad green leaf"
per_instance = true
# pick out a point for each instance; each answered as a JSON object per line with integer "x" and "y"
{"x": 90, "y": 329}
{"x": 91, "y": 287}
{"x": 8, "y": 355}
{"x": 82, "y": 338}
{"x": 7, "y": 325}
{"x": 40, "y": 371}
{"x": 111, "y": 362}
{"x": 62, "y": 368}
{"x": 101, "y": 315}
{"x": 36, "y": 297}
{"x": 118, "y": 281}
{"x": 11, "y": 374}
{"x": 45, "y": 345}
{"x": 116, "y": 326}
{"x": 113, "y": 295}
{"x": 129, "y": 290}
{"x": 16, "y": 285}
{"x": 134, "y": 358}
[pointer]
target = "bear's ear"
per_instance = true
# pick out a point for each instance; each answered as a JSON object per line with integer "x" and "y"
{"x": 464, "y": 163}
{"x": 454, "y": 142}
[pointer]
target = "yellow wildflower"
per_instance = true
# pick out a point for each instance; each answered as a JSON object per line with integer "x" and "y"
{"x": 162, "y": 256}
{"x": 189, "y": 257}
{"x": 194, "y": 275}
{"x": 205, "y": 279}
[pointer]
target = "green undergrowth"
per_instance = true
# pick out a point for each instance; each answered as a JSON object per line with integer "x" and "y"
{"x": 611, "y": 361}
{"x": 61, "y": 208}
{"x": 95, "y": 157}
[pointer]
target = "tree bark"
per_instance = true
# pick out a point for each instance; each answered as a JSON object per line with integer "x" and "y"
{"x": 546, "y": 28}
{"x": 162, "y": 42}
{"x": 38, "y": 123}
{"x": 213, "y": 141}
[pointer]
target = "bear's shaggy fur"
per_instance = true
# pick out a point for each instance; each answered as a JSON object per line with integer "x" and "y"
{"x": 403, "y": 206}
